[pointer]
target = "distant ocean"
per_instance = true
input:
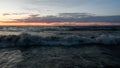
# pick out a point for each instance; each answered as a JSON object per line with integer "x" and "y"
{"x": 58, "y": 35}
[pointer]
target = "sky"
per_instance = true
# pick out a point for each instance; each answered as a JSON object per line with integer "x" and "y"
{"x": 59, "y": 11}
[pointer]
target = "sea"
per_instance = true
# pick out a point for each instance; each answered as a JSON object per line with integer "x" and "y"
{"x": 18, "y": 36}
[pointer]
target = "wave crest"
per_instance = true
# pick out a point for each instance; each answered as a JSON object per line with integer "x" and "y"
{"x": 25, "y": 39}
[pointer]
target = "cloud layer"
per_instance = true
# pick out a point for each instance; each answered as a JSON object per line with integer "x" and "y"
{"x": 71, "y": 17}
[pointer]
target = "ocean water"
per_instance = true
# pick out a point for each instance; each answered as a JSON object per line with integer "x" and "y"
{"x": 59, "y": 35}
{"x": 17, "y": 47}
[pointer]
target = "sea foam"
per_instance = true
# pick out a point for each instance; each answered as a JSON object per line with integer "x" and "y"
{"x": 25, "y": 39}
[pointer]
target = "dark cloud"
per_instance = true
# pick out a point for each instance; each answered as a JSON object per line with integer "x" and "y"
{"x": 18, "y": 13}
{"x": 6, "y": 14}
{"x": 35, "y": 15}
{"x": 71, "y": 17}
{"x": 75, "y": 15}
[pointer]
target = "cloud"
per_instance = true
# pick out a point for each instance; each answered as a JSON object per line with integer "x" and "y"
{"x": 7, "y": 14}
{"x": 36, "y": 18}
{"x": 75, "y": 15}
{"x": 70, "y": 17}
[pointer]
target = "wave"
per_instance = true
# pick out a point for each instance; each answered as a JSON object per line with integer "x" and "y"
{"x": 25, "y": 39}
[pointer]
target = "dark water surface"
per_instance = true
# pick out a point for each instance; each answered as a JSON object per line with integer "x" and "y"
{"x": 60, "y": 47}
{"x": 59, "y": 35}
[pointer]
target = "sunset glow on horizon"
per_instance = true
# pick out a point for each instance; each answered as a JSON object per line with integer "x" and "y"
{"x": 60, "y": 24}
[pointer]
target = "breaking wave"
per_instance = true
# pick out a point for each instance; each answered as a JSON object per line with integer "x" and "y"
{"x": 25, "y": 39}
